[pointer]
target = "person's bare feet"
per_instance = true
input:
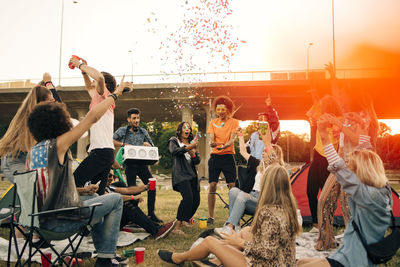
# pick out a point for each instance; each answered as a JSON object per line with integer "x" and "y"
{"x": 178, "y": 231}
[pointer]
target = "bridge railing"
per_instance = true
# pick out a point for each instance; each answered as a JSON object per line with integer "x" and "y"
{"x": 194, "y": 78}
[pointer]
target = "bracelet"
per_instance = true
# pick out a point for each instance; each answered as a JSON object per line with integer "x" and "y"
{"x": 114, "y": 96}
{"x": 268, "y": 149}
{"x": 132, "y": 197}
{"x": 83, "y": 73}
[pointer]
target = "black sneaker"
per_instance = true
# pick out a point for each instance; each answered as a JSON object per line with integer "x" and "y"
{"x": 206, "y": 233}
{"x": 166, "y": 256}
{"x": 210, "y": 220}
{"x": 103, "y": 262}
{"x": 154, "y": 218}
{"x": 164, "y": 230}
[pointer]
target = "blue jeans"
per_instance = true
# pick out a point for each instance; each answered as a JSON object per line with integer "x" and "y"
{"x": 239, "y": 202}
{"x": 9, "y": 165}
{"x": 105, "y": 223}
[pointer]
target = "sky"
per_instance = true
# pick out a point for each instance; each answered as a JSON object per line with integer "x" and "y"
{"x": 163, "y": 36}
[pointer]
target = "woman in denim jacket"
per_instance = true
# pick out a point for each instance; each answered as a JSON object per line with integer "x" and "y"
{"x": 370, "y": 200}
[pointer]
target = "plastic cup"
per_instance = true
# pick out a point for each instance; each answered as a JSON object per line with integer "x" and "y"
{"x": 45, "y": 262}
{"x": 202, "y": 223}
{"x": 152, "y": 184}
{"x": 139, "y": 255}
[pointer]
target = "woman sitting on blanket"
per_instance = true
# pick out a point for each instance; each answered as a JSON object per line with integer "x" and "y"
{"x": 241, "y": 201}
{"x": 274, "y": 230}
{"x": 369, "y": 200}
{"x": 50, "y": 126}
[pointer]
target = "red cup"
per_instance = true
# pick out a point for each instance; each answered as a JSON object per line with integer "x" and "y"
{"x": 152, "y": 184}
{"x": 46, "y": 262}
{"x": 72, "y": 66}
{"x": 139, "y": 255}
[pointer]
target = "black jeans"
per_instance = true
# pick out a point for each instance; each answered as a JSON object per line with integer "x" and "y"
{"x": 133, "y": 170}
{"x": 317, "y": 175}
{"x": 131, "y": 213}
{"x": 190, "y": 199}
{"x": 94, "y": 168}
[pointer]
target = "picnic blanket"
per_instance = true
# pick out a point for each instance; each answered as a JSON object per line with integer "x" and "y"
{"x": 124, "y": 239}
{"x": 305, "y": 246}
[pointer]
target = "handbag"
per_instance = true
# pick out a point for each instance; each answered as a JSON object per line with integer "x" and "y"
{"x": 382, "y": 251}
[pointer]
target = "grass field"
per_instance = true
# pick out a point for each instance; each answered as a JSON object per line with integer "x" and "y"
{"x": 166, "y": 206}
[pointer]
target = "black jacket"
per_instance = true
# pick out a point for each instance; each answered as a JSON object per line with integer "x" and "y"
{"x": 182, "y": 169}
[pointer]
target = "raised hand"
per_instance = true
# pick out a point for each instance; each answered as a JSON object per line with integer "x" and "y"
{"x": 122, "y": 86}
{"x": 46, "y": 77}
{"x": 268, "y": 100}
{"x": 74, "y": 62}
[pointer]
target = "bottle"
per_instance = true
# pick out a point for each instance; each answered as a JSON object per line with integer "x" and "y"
{"x": 128, "y": 252}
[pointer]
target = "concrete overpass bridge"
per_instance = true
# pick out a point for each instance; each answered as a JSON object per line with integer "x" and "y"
{"x": 186, "y": 99}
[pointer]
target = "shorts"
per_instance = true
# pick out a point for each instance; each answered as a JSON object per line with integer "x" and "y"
{"x": 221, "y": 163}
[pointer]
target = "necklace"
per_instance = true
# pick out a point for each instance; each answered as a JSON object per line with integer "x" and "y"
{"x": 219, "y": 126}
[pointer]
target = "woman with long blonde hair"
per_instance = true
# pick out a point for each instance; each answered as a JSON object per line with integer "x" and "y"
{"x": 370, "y": 199}
{"x": 274, "y": 230}
{"x": 245, "y": 198}
{"x": 18, "y": 140}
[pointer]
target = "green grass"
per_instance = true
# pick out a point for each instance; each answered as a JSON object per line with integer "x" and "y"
{"x": 166, "y": 207}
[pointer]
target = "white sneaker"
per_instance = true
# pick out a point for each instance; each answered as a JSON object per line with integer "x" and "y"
{"x": 226, "y": 229}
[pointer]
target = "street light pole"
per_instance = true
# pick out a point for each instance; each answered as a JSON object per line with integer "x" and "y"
{"x": 131, "y": 52}
{"x": 61, "y": 41}
{"x": 333, "y": 38}
{"x": 308, "y": 59}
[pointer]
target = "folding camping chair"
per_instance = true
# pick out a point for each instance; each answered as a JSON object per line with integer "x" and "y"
{"x": 25, "y": 188}
{"x": 6, "y": 201}
{"x": 241, "y": 183}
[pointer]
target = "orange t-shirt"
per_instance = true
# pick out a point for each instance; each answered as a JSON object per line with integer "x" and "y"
{"x": 222, "y": 134}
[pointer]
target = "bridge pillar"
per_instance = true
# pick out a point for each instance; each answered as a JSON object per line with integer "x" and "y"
{"x": 187, "y": 114}
{"x": 203, "y": 147}
{"x": 82, "y": 142}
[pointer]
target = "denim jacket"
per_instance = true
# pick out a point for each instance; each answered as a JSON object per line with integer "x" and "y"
{"x": 370, "y": 208}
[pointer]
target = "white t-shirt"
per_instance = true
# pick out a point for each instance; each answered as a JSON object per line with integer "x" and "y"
{"x": 101, "y": 133}
{"x": 257, "y": 181}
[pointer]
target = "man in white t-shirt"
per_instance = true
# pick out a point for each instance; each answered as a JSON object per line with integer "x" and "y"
{"x": 101, "y": 150}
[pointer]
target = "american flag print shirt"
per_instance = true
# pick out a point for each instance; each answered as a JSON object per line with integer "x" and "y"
{"x": 39, "y": 160}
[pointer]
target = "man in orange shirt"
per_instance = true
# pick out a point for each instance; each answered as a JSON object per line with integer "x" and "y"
{"x": 222, "y": 133}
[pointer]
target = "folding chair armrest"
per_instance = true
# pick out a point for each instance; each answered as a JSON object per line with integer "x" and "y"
{"x": 65, "y": 209}
{"x": 93, "y": 205}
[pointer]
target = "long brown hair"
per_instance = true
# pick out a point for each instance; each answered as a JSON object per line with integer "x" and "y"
{"x": 18, "y": 138}
{"x": 276, "y": 190}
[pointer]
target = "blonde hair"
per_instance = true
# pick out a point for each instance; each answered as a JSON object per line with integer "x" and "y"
{"x": 18, "y": 137}
{"x": 368, "y": 167}
{"x": 275, "y": 157}
{"x": 276, "y": 190}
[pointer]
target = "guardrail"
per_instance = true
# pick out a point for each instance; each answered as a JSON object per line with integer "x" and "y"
{"x": 194, "y": 78}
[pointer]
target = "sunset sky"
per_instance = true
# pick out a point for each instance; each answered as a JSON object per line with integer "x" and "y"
{"x": 269, "y": 34}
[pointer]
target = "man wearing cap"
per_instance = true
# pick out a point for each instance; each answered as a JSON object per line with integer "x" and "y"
{"x": 270, "y": 117}
{"x": 222, "y": 133}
